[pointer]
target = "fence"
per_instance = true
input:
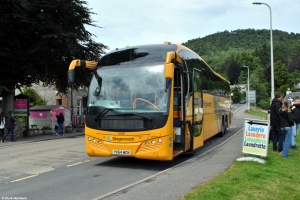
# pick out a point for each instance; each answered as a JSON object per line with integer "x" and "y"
{"x": 78, "y": 120}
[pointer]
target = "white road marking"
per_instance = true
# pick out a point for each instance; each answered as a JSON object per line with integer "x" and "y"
{"x": 21, "y": 179}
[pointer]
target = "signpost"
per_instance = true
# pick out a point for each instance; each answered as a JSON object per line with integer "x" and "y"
{"x": 256, "y": 138}
{"x": 21, "y": 109}
{"x": 251, "y": 96}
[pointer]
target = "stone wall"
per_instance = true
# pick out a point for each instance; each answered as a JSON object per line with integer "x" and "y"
{"x": 18, "y": 129}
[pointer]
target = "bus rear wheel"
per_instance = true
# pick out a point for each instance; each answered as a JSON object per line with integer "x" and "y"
{"x": 223, "y": 129}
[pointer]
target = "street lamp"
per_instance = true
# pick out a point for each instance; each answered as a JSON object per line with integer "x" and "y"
{"x": 271, "y": 41}
{"x": 248, "y": 102}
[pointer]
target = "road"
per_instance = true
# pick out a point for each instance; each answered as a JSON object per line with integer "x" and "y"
{"x": 60, "y": 169}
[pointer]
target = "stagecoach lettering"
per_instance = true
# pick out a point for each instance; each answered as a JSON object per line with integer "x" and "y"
{"x": 123, "y": 139}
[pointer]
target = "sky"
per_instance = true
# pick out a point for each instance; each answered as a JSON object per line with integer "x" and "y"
{"x": 140, "y": 22}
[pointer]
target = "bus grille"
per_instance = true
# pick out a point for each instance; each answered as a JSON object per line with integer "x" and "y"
{"x": 122, "y": 124}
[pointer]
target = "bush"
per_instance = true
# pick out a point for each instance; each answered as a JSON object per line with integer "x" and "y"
{"x": 264, "y": 104}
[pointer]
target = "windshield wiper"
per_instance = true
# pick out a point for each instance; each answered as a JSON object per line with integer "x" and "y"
{"x": 150, "y": 119}
{"x": 103, "y": 112}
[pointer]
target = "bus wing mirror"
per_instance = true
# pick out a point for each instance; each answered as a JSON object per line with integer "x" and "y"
{"x": 71, "y": 76}
{"x": 169, "y": 71}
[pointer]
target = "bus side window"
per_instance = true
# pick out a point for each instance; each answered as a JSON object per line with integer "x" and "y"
{"x": 177, "y": 103}
{"x": 176, "y": 100}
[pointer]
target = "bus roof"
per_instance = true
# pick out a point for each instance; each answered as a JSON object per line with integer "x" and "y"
{"x": 137, "y": 54}
{"x": 153, "y": 53}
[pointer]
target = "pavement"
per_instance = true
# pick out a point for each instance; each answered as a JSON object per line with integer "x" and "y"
{"x": 40, "y": 137}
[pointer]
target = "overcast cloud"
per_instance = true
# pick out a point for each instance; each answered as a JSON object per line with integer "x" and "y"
{"x": 138, "y": 22}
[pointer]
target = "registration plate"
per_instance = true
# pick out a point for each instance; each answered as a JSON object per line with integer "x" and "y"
{"x": 121, "y": 152}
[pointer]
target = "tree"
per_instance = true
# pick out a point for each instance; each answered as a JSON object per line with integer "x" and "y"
{"x": 243, "y": 76}
{"x": 234, "y": 72}
{"x": 39, "y": 39}
{"x": 282, "y": 78}
{"x": 34, "y": 98}
{"x": 295, "y": 64}
{"x": 236, "y": 95}
{"x": 260, "y": 90}
{"x": 296, "y": 75}
{"x": 263, "y": 52}
{"x": 246, "y": 58}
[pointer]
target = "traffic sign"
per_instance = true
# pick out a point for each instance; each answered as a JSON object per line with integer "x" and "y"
{"x": 252, "y": 96}
{"x": 256, "y": 137}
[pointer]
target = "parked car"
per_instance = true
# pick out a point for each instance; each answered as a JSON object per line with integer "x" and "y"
{"x": 242, "y": 101}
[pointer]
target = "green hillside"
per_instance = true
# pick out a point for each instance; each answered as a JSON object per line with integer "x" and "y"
{"x": 226, "y": 52}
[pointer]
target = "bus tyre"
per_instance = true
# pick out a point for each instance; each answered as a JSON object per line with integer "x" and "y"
{"x": 223, "y": 129}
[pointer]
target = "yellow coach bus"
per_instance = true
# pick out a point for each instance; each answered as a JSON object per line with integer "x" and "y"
{"x": 153, "y": 102}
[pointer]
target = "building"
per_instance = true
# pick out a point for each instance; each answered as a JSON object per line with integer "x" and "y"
{"x": 72, "y": 100}
{"x": 241, "y": 87}
{"x": 44, "y": 115}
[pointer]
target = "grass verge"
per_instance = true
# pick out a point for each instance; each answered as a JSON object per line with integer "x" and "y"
{"x": 278, "y": 178}
{"x": 257, "y": 113}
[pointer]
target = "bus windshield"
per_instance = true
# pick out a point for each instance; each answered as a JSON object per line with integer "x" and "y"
{"x": 130, "y": 89}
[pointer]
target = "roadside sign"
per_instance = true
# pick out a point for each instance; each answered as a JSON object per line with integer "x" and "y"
{"x": 21, "y": 107}
{"x": 256, "y": 137}
{"x": 252, "y": 96}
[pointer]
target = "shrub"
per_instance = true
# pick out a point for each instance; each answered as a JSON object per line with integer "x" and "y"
{"x": 264, "y": 104}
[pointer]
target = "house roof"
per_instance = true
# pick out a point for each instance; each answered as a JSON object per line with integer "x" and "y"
{"x": 48, "y": 107}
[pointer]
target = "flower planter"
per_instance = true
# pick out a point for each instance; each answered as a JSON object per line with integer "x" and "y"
{"x": 46, "y": 131}
{"x": 31, "y": 133}
{"x": 68, "y": 129}
{"x": 79, "y": 129}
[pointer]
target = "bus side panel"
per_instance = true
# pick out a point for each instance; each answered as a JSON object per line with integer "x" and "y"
{"x": 199, "y": 141}
{"x": 223, "y": 112}
{"x": 214, "y": 109}
{"x": 208, "y": 115}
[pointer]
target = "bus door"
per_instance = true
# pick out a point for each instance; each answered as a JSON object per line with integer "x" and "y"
{"x": 181, "y": 126}
{"x": 197, "y": 115}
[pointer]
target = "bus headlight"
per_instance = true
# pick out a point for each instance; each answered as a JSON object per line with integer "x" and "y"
{"x": 159, "y": 140}
{"x": 100, "y": 142}
{"x": 146, "y": 143}
{"x": 89, "y": 138}
{"x": 153, "y": 142}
